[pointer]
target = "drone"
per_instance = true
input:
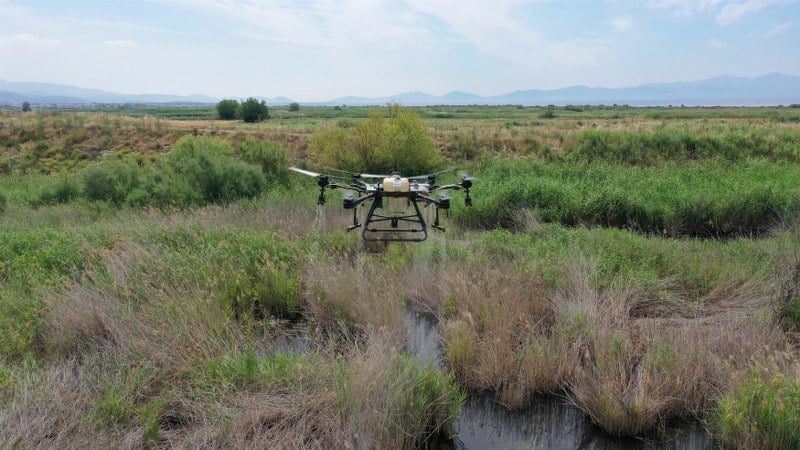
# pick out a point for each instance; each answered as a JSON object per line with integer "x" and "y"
{"x": 394, "y": 214}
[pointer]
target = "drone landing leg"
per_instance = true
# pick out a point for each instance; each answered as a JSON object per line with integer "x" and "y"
{"x": 355, "y": 221}
{"x": 436, "y": 221}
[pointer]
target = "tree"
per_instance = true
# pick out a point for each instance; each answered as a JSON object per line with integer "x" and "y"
{"x": 251, "y": 110}
{"x": 294, "y": 106}
{"x": 226, "y": 109}
{"x": 26, "y": 106}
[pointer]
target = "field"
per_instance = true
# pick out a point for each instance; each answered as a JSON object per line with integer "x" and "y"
{"x": 157, "y": 267}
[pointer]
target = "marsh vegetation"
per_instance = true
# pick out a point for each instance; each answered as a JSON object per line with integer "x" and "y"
{"x": 643, "y": 264}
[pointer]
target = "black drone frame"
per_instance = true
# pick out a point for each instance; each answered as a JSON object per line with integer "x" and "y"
{"x": 379, "y": 226}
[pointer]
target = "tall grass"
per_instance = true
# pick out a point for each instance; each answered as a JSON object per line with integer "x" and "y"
{"x": 762, "y": 412}
{"x": 637, "y": 148}
{"x": 712, "y": 199}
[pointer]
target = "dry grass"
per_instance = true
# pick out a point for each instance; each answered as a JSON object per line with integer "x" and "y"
{"x": 497, "y": 325}
{"x": 353, "y": 298}
{"x": 634, "y": 374}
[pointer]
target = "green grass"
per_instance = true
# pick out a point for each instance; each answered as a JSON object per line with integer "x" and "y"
{"x": 762, "y": 413}
{"x": 33, "y": 261}
{"x": 248, "y": 370}
{"x": 708, "y": 199}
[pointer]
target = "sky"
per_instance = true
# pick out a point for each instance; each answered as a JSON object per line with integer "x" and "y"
{"x": 317, "y": 50}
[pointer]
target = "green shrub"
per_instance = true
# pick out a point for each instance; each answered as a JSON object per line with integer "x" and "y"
{"x": 762, "y": 413}
{"x": 3, "y": 202}
{"x": 272, "y": 157}
{"x": 110, "y": 180}
{"x": 400, "y": 143}
{"x": 207, "y": 165}
{"x": 65, "y": 190}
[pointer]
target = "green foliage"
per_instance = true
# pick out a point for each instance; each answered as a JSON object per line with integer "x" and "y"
{"x": 149, "y": 417}
{"x": 762, "y": 413}
{"x": 207, "y": 165}
{"x": 109, "y": 180}
{"x": 3, "y": 202}
{"x": 714, "y": 199}
{"x": 294, "y": 106}
{"x": 26, "y": 106}
{"x": 226, "y": 109}
{"x": 631, "y": 147}
{"x": 31, "y": 257}
{"x": 377, "y": 144}
{"x": 251, "y": 110}
{"x": 248, "y": 370}
{"x": 549, "y": 113}
{"x": 262, "y": 292}
{"x": 272, "y": 157}
{"x": 64, "y": 190}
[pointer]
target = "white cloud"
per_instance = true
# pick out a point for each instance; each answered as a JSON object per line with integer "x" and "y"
{"x": 717, "y": 44}
{"x": 120, "y": 43}
{"x": 29, "y": 40}
{"x": 726, "y": 12}
{"x": 686, "y": 8}
{"x": 780, "y": 29}
{"x": 736, "y": 10}
{"x": 622, "y": 24}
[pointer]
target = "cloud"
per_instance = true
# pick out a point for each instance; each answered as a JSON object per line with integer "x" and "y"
{"x": 780, "y": 29}
{"x": 717, "y": 44}
{"x": 734, "y": 11}
{"x": 129, "y": 43}
{"x": 686, "y": 8}
{"x": 725, "y": 12}
{"x": 622, "y": 24}
{"x": 29, "y": 40}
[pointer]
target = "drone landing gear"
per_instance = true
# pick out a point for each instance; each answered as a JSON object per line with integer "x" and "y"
{"x": 383, "y": 228}
{"x": 355, "y": 221}
{"x": 436, "y": 221}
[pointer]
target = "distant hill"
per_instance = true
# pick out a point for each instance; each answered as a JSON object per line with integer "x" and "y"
{"x": 770, "y": 89}
{"x": 14, "y": 93}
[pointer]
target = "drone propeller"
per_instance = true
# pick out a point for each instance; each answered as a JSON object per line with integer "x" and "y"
{"x": 348, "y": 173}
{"x": 434, "y": 174}
{"x": 304, "y": 172}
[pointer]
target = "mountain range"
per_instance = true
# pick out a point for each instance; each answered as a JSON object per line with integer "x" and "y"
{"x": 770, "y": 89}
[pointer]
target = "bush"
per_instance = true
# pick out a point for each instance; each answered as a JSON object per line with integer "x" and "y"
{"x": 400, "y": 143}
{"x": 3, "y": 202}
{"x": 64, "y": 190}
{"x": 270, "y": 156}
{"x": 294, "y": 106}
{"x": 110, "y": 180}
{"x": 206, "y": 165}
{"x": 251, "y": 110}
{"x": 226, "y": 109}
